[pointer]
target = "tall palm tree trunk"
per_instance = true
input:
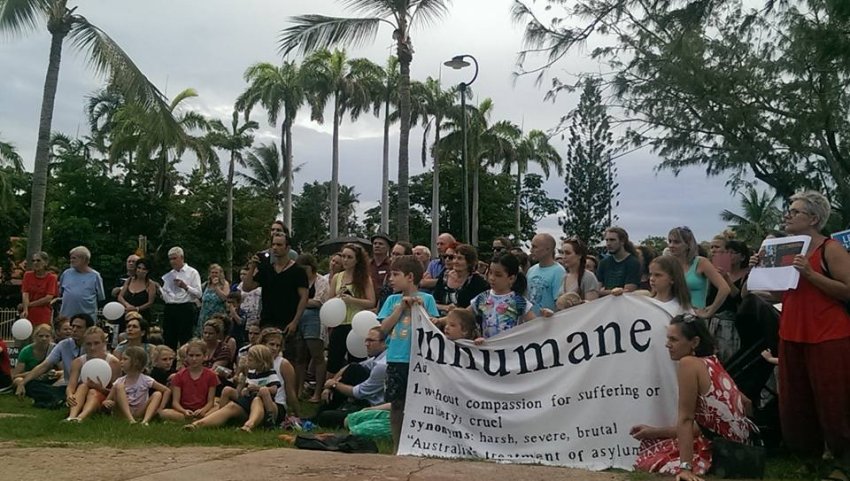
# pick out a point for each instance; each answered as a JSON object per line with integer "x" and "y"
{"x": 334, "y": 218}
{"x": 39, "y": 176}
{"x": 474, "y": 233}
{"x": 435, "y": 189}
{"x": 405, "y": 55}
{"x": 517, "y": 226}
{"x": 287, "y": 171}
{"x": 228, "y": 234}
{"x": 385, "y": 179}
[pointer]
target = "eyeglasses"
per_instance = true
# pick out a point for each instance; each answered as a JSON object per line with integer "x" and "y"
{"x": 498, "y": 248}
{"x": 37, "y": 260}
{"x": 449, "y": 256}
{"x": 795, "y": 212}
{"x": 372, "y": 340}
{"x": 684, "y": 228}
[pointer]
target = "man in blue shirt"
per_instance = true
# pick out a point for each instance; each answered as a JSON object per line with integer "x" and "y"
{"x": 358, "y": 385}
{"x": 53, "y": 396}
{"x": 545, "y": 277}
{"x": 80, "y": 286}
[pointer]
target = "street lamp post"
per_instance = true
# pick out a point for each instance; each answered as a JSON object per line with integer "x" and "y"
{"x": 457, "y": 62}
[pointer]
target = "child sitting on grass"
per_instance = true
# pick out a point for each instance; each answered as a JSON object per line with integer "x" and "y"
{"x": 86, "y": 398}
{"x": 162, "y": 362}
{"x": 193, "y": 387}
{"x": 256, "y": 395}
{"x": 131, "y": 392}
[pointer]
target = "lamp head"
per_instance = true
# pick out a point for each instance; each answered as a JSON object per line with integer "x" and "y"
{"x": 457, "y": 62}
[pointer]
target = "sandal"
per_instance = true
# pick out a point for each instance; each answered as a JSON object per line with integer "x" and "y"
{"x": 247, "y": 429}
{"x": 190, "y": 427}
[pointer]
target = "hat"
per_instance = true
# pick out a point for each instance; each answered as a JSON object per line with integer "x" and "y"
{"x": 381, "y": 235}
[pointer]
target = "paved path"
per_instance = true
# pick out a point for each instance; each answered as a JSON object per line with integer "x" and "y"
{"x": 214, "y": 464}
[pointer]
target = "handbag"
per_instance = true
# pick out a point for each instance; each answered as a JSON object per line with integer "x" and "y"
{"x": 730, "y": 459}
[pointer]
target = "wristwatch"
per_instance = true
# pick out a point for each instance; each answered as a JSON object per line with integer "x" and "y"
{"x": 685, "y": 466}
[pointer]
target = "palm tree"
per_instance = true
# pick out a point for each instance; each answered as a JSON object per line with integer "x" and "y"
{"x": 105, "y": 57}
{"x": 436, "y": 105}
{"x": 389, "y": 96}
{"x": 760, "y": 216}
{"x": 137, "y": 131}
{"x": 487, "y": 144}
{"x": 310, "y": 33}
{"x": 533, "y": 147}
{"x": 351, "y": 84}
{"x": 234, "y": 139}
{"x": 277, "y": 89}
{"x": 266, "y": 175}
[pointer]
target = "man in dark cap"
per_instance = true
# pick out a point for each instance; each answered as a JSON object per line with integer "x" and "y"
{"x": 379, "y": 266}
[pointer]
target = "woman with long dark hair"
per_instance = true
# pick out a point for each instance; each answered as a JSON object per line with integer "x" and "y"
{"x": 354, "y": 286}
{"x": 578, "y": 279}
{"x": 137, "y": 294}
{"x": 708, "y": 400}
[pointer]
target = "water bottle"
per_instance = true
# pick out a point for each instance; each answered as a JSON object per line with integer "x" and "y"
{"x": 223, "y": 371}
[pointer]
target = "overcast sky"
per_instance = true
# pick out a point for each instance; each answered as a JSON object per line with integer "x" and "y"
{"x": 207, "y": 45}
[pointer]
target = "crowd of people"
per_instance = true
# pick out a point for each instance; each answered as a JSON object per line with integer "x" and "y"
{"x": 251, "y": 350}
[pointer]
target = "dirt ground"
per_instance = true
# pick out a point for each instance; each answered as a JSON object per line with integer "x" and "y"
{"x": 224, "y": 464}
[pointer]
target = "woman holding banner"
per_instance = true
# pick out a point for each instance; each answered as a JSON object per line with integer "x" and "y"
{"x": 814, "y": 340}
{"x": 709, "y": 405}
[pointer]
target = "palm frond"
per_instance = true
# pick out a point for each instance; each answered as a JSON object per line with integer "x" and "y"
{"x": 9, "y": 156}
{"x": 372, "y": 8}
{"x": 310, "y": 33}
{"x": 107, "y": 58}
{"x": 21, "y": 16}
{"x": 427, "y": 12}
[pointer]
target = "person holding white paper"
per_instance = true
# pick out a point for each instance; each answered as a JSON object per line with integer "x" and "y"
{"x": 814, "y": 340}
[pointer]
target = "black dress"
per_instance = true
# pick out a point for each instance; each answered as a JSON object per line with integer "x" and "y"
{"x": 463, "y": 295}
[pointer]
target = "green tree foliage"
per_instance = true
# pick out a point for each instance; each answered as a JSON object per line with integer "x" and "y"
{"x": 104, "y": 56}
{"x": 722, "y": 84}
{"x": 759, "y": 215}
{"x": 419, "y": 224}
{"x": 657, "y": 242}
{"x": 590, "y": 191}
{"x": 535, "y": 204}
{"x": 312, "y": 210}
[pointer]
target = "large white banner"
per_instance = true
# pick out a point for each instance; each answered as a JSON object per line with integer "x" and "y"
{"x": 560, "y": 391}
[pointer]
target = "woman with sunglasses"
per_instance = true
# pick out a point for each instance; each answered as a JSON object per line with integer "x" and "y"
{"x": 814, "y": 340}
{"x": 39, "y": 287}
{"x": 699, "y": 272}
{"x": 461, "y": 282}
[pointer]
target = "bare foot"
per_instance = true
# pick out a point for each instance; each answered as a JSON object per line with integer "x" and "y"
{"x": 190, "y": 427}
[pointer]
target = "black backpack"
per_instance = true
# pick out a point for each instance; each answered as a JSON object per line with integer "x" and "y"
{"x": 344, "y": 443}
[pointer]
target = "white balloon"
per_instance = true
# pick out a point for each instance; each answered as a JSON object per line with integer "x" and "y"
{"x": 96, "y": 370}
{"x": 363, "y": 321}
{"x": 356, "y": 345}
{"x": 332, "y": 312}
{"x": 22, "y": 329}
{"x": 113, "y": 310}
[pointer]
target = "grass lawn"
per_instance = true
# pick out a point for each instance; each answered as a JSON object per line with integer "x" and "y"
{"x": 44, "y": 428}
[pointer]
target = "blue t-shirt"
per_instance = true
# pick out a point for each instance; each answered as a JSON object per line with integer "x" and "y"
{"x": 80, "y": 292}
{"x": 544, "y": 283}
{"x": 398, "y": 347}
{"x": 65, "y": 352}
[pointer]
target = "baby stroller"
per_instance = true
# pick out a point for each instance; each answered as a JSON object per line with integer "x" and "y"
{"x": 757, "y": 323}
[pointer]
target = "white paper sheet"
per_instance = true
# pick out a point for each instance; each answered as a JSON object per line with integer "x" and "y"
{"x": 775, "y": 273}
